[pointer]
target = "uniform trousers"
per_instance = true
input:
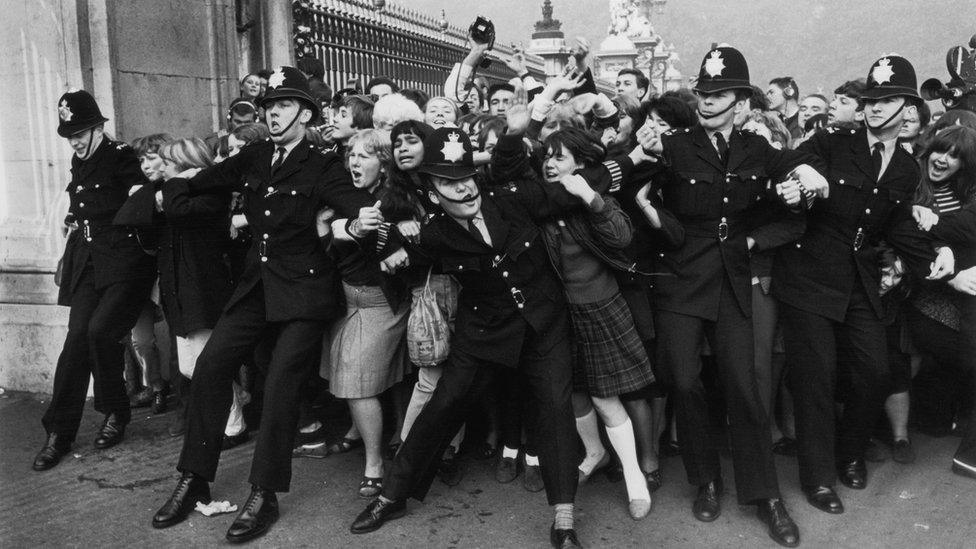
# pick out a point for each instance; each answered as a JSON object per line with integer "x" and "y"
{"x": 295, "y": 352}
{"x": 731, "y": 339}
{"x": 545, "y": 364}
{"x": 814, "y": 345}
{"x": 98, "y": 321}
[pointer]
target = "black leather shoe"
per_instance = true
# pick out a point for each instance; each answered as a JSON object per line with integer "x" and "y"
{"x": 111, "y": 432}
{"x": 234, "y": 441}
{"x": 54, "y": 449}
{"x": 507, "y": 470}
{"x": 260, "y": 511}
{"x": 824, "y": 498}
{"x": 449, "y": 470}
{"x": 532, "y": 479}
{"x": 707, "y": 506}
{"x": 376, "y": 514}
{"x": 189, "y": 490}
{"x": 782, "y": 529}
{"x": 853, "y": 474}
{"x": 563, "y": 538}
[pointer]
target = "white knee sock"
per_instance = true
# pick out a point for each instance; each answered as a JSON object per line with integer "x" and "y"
{"x": 622, "y": 439}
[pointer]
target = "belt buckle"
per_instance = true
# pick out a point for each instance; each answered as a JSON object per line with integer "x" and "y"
{"x": 87, "y": 233}
{"x": 723, "y": 231}
{"x": 518, "y": 297}
{"x": 858, "y": 239}
{"x": 263, "y": 248}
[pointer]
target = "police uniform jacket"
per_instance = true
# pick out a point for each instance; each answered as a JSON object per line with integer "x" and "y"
{"x": 511, "y": 280}
{"x": 838, "y": 253}
{"x": 286, "y": 256}
{"x": 195, "y": 279}
{"x": 958, "y": 230}
{"x": 718, "y": 206}
{"x": 99, "y": 187}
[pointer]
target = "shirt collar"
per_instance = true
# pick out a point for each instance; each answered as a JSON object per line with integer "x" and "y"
{"x": 889, "y": 145}
{"x": 727, "y": 134}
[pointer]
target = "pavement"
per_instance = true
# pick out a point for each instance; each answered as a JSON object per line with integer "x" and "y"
{"x": 107, "y": 499}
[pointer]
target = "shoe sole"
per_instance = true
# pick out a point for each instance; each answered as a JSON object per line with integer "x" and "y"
{"x": 392, "y": 516}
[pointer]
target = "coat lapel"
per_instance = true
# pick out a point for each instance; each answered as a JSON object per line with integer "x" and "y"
{"x": 706, "y": 151}
{"x": 737, "y": 151}
{"x": 497, "y": 226}
{"x": 862, "y": 154}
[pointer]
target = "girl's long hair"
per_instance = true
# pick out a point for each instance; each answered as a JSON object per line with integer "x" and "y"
{"x": 959, "y": 141}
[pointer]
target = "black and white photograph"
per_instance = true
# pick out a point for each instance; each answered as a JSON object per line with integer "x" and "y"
{"x": 501, "y": 274}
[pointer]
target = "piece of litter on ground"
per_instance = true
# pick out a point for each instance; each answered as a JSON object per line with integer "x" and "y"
{"x": 919, "y": 527}
{"x": 905, "y": 494}
{"x": 215, "y": 508}
{"x": 77, "y": 456}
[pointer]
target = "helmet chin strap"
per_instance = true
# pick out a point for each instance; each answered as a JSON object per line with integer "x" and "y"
{"x": 719, "y": 113}
{"x": 890, "y": 118}
{"x": 455, "y": 201}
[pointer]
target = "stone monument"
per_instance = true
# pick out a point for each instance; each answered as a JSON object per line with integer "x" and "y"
{"x": 632, "y": 42}
{"x": 549, "y": 42}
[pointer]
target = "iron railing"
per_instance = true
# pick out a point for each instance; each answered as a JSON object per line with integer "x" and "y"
{"x": 356, "y": 41}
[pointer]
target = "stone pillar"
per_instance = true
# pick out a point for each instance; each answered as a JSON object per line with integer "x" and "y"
{"x": 277, "y": 24}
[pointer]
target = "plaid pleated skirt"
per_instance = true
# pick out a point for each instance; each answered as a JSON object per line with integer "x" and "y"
{"x": 368, "y": 353}
{"x": 609, "y": 358}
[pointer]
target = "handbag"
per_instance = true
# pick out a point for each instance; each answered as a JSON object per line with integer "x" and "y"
{"x": 428, "y": 333}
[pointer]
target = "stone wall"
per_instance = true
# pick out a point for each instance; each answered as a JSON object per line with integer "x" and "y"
{"x": 153, "y": 65}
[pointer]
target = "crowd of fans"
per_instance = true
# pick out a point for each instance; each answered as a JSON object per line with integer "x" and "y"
{"x": 613, "y": 258}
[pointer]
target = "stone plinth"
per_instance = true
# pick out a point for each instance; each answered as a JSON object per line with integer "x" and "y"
{"x": 616, "y": 53}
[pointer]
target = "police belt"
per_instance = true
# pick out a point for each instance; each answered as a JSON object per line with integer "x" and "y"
{"x": 285, "y": 248}
{"x": 721, "y": 228}
{"x": 91, "y": 229}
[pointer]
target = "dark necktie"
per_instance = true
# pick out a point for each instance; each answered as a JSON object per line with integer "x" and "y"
{"x": 877, "y": 158}
{"x": 473, "y": 229}
{"x": 721, "y": 146}
{"x": 278, "y": 160}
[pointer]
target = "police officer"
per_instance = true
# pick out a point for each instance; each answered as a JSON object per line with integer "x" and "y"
{"x": 827, "y": 282}
{"x": 713, "y": 178}
{"x": 511, "y": 313}
{"x": 106, "y": 277}
{"x": 287, "y": 292}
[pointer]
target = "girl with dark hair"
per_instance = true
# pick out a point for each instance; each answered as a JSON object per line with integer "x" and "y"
{"x": 668, "y": 113}
{"x": 942, "y": 317}
{"x": 407, "y": 188}
{"x": 610, "y": 358}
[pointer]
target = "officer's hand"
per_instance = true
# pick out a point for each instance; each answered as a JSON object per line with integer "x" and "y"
{"x": 395, "y": 261}
{"x": 925, "y": 218}
{"x": 811, "y": 180}
{"x": 159, "y": 201}
{"x": 410, "y": 230}
{"x": 965, "y": 281}
{"x": 518, "y": 118}
{"x": 649, "y": 140}
{"x": 370, "y": 218}
{"x": 789, "y": 192}
{"x": 944, "y": 264}
{"x": 323, "y": 222}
